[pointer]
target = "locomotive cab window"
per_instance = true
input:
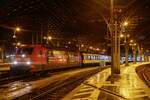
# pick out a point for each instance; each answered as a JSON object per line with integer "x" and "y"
{"x": 27, "y": 51}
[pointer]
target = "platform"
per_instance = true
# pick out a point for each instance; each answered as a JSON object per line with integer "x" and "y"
{"x": 4, "y": 67}
{"x": 126, "y": 86}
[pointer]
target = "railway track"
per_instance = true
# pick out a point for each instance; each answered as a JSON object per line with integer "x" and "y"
{"x": 29, "y": 77}
{"x": 10, "y": 79}
{"x": 143, "y": 72}
{"x": 58, "y": 89}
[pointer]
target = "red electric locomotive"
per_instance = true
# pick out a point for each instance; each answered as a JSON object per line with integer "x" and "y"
{"x": 35, "y": 58}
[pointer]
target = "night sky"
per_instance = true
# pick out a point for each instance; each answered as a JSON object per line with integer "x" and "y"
{"x": 73, "y": 19}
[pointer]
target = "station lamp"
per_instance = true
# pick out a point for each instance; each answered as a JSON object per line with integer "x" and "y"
{"x": 17, "y": 29}
{"x": 125, "y": 23}
{"x": 18, "y": 44}
{"x": 90, "y": 47}
{"x": 82, "y": 45}
{"x": 121, "y": 35}
{"x": 134, "y": 44}
{"x": 49, "y": 38}
{"x": 131, "y": 41}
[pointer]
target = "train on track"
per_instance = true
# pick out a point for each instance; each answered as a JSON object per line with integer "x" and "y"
{"x": 35, "y": 58}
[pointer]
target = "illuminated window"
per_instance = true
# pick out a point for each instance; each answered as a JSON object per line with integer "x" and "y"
{"x": 89, "y": 57}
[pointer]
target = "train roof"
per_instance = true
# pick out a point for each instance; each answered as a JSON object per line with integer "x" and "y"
{"x": 49, "y": 47}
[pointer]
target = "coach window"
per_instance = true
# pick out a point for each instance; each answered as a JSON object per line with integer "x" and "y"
{"x": 93, "y": 57}
{"x": 89, "y": 57}
{"x": 96, "y": 57}
{"x": 85, "y": 57}
{"x": 99, "y": 57}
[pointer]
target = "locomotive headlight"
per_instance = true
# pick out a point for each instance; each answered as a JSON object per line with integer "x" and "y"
{"x": 15, "y": 62}
{"x": 28, "y": 62}
{"x": 7, "y": 56}
{"x": 23, "y": 55}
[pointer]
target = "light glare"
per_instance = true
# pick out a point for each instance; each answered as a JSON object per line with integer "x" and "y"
{"x": 17, "y": 29}
{"x": 125, "y": 23}
{"x": 121, "y": 35}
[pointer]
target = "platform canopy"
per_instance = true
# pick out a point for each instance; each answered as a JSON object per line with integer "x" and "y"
{"x": 85, "y": 20}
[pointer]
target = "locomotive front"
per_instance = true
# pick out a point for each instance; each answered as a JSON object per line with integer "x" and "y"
{"x": 21, "y": 61}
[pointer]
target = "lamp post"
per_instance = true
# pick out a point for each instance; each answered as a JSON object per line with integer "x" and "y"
{"x": 134, "y": 53}
{"x": 126, "y": 41}
{"x": 146, "y": 56}
{"x": 115, "y": 43}
{"x": 81, "y": 47}
{"x": 2, "y": 54}
{"x": 47, "y": 38}
{"x": 141, "y": 54}
{"x": 126, "y": 53}
{"x": 134, "y": 46}
{"x": 17, "y": 29}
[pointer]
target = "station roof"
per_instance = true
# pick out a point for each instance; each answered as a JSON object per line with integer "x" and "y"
{"x": 85, "y": 20}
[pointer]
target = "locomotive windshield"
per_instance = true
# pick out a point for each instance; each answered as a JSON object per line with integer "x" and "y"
{"x": 27, "y": 51}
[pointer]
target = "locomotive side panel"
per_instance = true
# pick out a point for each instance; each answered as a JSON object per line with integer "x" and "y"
{"x": 39, "y": 55}
{"x": 39, "y": 58}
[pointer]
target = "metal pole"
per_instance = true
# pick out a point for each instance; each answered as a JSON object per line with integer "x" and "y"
{"x": 41, "y": 33}
{"x": 126, "y": 53}
{"x": 32, "y": 38}
{"x": 141, "y": 54}
{"x": 134, "y": 55}
{"x": 3, "y": 54}
{"x": 115, "y": 44}
{"x": 37, "y": 38}
{"x": 112, "y": 38}
{"x": 117, "y": 50}
{"x": 14, "y": 37}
